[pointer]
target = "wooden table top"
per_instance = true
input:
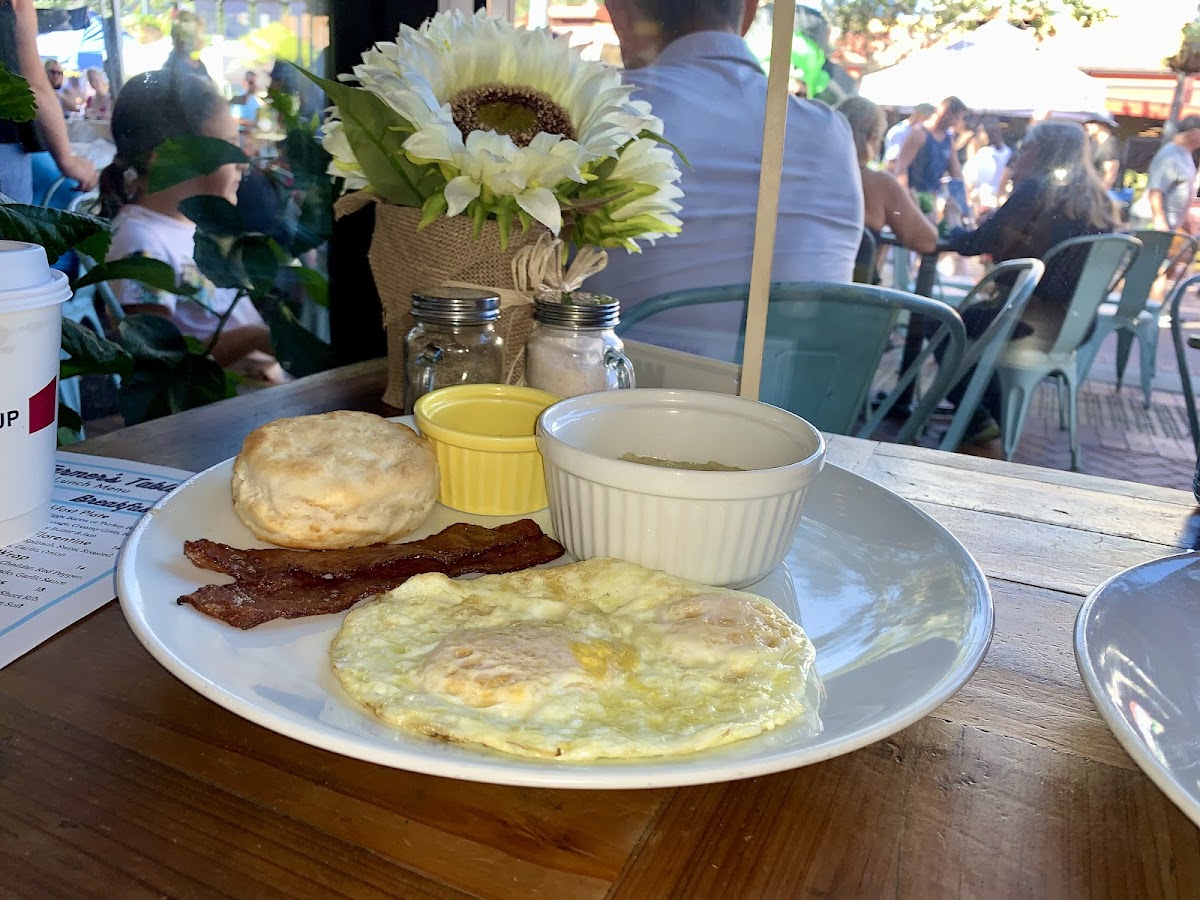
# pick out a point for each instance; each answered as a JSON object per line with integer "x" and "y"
{"x": 116, "y": 780}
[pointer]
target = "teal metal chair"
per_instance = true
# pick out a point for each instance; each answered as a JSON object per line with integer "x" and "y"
{"x": 1134, "y": 315}
{"x": 1185, "y": 375}
{"x": 1025, "y": 362}
{"x": 983, "y": 352}
{"x": 826, "y": 344}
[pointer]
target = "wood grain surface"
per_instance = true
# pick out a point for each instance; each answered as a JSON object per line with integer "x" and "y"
{"x": 118, "y": 781}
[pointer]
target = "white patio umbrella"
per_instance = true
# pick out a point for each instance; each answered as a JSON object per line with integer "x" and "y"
{"x": 996, "y": 69}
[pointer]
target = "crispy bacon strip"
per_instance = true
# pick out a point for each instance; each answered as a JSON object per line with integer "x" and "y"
{"x": 450, "y": 543}
{"x": 283, "y": 589}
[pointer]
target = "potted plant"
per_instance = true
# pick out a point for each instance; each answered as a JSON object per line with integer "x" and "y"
{"x": 473, "y": 138}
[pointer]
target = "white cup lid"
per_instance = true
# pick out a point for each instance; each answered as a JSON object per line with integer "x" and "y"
{"x": 23, "y": 266}
{"x": 26, "y": 279}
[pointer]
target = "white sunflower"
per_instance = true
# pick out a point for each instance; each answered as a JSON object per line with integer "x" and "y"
{"x": 492, "y": 121}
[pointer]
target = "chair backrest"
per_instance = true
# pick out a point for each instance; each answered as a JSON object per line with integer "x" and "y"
{"x": 1152, "y": 259}
{"x": 1018, "y": 278}
{"x": 111, "y": 309}
{"x": 865, "y": 263}
{"x": 1185, "y": 376}
{"x": 824, "y": 344}
{"x": 1107, "y": 258}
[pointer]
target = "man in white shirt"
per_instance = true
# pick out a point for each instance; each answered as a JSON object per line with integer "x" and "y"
{"x": 1171, "y": 184}
{"x": 689, "y": 61}
{"x": 894, "y": 139}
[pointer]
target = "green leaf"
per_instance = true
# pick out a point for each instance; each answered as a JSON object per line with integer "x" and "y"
{"x": 212, "y": 214}
{"x": 434, "y": 208}
{"x": 662, "y": 140}
{"x": 151, "y": 272}
{"x": 55, "y": 229}
{"x": 298, "y": 350}
{"x": 479, "y": 214}
{"x": 152, "y": 339}
{"x": 17, "y": 103}
{"x": 310, "y": 281}
{"x": 90, "y": 354}
{"x": 377, "y": 133}
{"x": 504, "y": 218}
{"x": 259, "y": 257}
{"x": 189, "y": 156}
{"x": 70, "y": 426}
{"x": 213, "y": 257}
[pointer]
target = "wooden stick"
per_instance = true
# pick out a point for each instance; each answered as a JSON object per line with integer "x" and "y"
{"x": 774, "y": 132}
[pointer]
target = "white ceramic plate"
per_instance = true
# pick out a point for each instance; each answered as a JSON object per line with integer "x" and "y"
{"x": 1137, "y": 643}
{"x": 898, "y": 610}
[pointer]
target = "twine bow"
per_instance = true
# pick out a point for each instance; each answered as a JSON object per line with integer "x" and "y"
{"x": 539, "y": 268}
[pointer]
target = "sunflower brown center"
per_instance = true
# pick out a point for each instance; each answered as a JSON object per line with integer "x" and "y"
{"x": 517, "y": 111}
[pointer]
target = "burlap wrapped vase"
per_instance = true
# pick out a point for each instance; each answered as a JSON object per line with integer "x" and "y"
{"x": 404, "y": 260}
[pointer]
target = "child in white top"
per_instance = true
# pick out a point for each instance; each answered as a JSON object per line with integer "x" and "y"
{"x": 150, "y": 109}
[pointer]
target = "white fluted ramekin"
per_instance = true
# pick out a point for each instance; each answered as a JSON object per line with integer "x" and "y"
{"x": 719, "y": 528}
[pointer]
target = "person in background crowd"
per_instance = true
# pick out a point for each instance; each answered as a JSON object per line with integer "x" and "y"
{"x": 984, "y": 171}
{"x": 690, "y": 62}
{"x": 1106, "y": 155}
{"x": 19, "y": 52}
{"x": 73, "y": 96}
{"x": 885, "y": 201}
{"x": 928, "y": 153}
{"x": 57, "y": 78}
{"x": 250, "y": 101}
{"x": 894, "y": 139}
{"x": 152, "y": 108}
{"x": 99, "y": 105}
{"x": 187, "y": 40}
{"x": 1171, "y": 184}
{"x": 1056, "y": 195}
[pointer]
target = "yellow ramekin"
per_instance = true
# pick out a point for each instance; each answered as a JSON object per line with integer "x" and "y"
{"x": 483, "y": 437}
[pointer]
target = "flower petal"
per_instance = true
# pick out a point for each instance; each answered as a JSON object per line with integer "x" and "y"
{"x": 543, "y": 206}
{"x": 459, "y": 193}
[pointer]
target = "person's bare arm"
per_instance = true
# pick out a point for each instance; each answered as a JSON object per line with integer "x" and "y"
{"x": 232, "y": 345}
{"x": 1157, "y": 209}
{"x": 1108, "y": 172}
{"x": 49, "y": 111}
{"x": 911, "y": 226}
{"x": 954, "y": 167}
{"x": 908, "y": 152}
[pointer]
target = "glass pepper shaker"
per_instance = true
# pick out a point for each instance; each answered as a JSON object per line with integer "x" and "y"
{"x": 453, "y": 341}
{"x": 573, "y": 349}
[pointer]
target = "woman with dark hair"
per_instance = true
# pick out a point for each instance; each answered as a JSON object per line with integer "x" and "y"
{"x": 19, "y": 52}
{"x": 150, "y": 109}
{"x": 1056, "y": 196}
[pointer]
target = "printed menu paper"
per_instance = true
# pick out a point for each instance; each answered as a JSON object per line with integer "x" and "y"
{"x": 58, "y": 576}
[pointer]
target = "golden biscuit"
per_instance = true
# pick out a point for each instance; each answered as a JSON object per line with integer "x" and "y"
{"x": 336, "y": 480}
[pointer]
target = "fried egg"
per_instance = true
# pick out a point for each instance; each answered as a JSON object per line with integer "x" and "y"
{"x": 601, "y": 658}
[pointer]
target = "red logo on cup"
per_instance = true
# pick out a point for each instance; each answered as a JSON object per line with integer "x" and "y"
{"x": 42, "y": 407}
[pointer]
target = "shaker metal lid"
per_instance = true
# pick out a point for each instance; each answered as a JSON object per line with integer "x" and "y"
{"x": 579, "y": 309}
{"x": 456, "y": 305}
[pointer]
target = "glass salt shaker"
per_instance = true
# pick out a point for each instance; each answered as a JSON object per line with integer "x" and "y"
{"x": 453, "y": 341}
{"x": 573, "y": 349}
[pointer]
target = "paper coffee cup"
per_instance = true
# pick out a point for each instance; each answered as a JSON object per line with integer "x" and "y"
{"x": 31, "y": 298}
